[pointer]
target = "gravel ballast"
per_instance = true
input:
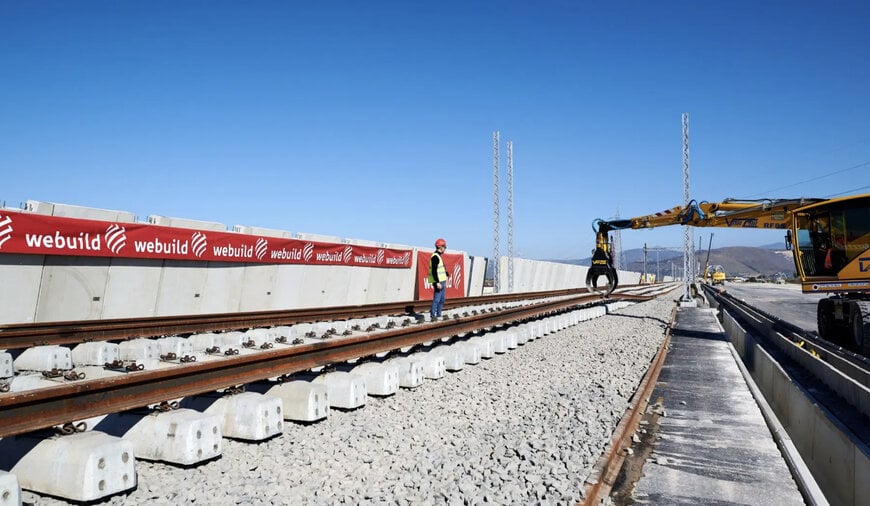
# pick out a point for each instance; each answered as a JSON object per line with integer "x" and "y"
{"x": 524, "y": 427}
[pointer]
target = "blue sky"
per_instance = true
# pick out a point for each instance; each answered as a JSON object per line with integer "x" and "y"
{"x": 374, "y": 120}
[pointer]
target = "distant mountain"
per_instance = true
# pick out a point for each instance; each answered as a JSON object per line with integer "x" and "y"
{"x": 735, "y": 260}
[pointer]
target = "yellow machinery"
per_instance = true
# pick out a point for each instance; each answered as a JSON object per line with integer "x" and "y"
{"x": 829, "y": 239}
{"x": 716, "y": 275}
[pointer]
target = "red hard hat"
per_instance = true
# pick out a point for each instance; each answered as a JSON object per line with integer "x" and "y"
{"x": 440, "y": 242}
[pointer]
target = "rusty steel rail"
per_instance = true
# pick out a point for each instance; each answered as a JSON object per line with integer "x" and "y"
{"x": 25, "y": 335}
{"x": 22, "y": 412}
{"x": 606, "y": 470}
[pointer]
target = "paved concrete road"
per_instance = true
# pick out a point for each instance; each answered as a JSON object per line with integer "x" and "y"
{"x": 783, "y": 301}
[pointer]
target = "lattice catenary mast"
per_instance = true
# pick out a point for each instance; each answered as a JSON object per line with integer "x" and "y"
{"x": 510, "y": 217}
{"x": 495, "y": 218}
{"x": 688, "y": 241}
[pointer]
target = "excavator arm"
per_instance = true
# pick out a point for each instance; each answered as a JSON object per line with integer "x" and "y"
{"x": 730, "y": 213}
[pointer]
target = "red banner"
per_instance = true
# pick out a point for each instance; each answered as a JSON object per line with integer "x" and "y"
{"x": 36, "y": 234}
{"x": 455, "y": 283}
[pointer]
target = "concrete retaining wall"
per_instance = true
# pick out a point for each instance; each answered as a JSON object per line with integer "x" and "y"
{"x": 838, "y": 461}
{"x": 56, "y": 288}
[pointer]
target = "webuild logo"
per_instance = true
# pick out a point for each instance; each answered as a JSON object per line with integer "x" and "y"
{"x": 405, "y": 259}
{"x": 199, "y": 244}
{"x": 82, "y": 241}
{"x": 261, "y": 248}
{"x": 457, "y": 275}
{"x": 348, "y": 252}
{"x": 308, "y": 251}
{"x": 5, "y": 229}
{"x": 116, "y": 238}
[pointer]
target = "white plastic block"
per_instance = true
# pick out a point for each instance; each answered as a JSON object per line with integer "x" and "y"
{"x": 44, "y": 358}
{"x": 181, "y": 436}
{"x": 511, "y": 340}
{"x": 454, "y": 360}
{"x": 233, "y": 339}
{"x": 85, "y": 466}
{"x": 410, "y": 371}
{"x": 346, "y": 390}
{"x": 139, "y": 350}
{"x": 469, "y": 351}
{"x": 179, "y": 346}
{"x": 433, "y": 365}
{"x": 247, "y": 415}
{"x": 10, "y": 491}
{"x": 95, "y": 353}
{"x": 25, "y": 382}
{"x": 381, "y": 378}
{"x": 6, "y": 368}
{"x": 499, "y": 342}
{"x": 303, "y": 401}
{"x": 202, "y": 341}
{"x": 484, "y": 345}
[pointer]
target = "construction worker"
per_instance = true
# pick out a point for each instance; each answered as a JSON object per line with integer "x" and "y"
{"x": 438, "y": 279}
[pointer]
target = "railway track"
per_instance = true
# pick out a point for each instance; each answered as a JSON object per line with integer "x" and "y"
{"x": 79, "y": 399}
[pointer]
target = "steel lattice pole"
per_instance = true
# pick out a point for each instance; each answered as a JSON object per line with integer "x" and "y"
{"x": 688, "y": 242}
{"x": 495, "y": 217}
{"x": 510, "y": 216}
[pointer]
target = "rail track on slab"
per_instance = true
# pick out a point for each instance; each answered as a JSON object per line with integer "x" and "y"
{"x": 78, "y": 399}
{"x": 834, "y": 379}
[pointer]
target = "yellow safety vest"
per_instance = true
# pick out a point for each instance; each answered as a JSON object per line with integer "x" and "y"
{"x": 442, "y": 270}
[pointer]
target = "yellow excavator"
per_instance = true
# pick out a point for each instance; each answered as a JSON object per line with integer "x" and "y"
{"x": 829, "y": 240}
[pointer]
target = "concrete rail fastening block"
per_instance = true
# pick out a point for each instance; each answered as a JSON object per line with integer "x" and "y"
{"x": 410, "y": 371}
{"x": 302, "y": 401}
{"x": 381, "y": 379}
{"x": 84, "y": 466}
{"x": 249, "y": 416}
{"x": 346, "y": 390}
{"x": 10, "y": 491}
{"x": 181, "y": 436}
{"x": 44, "y": 358}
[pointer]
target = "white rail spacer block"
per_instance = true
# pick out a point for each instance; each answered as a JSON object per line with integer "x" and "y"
{"x": 521, "y": 335}
{"x": 470, "y": 352}
{"x": 44, "y": 358}
{"x": 180, "y": 346}
{"x": 499, "y": 342}
{"x": 303, "y": 401}
{"x": 6, "y": 368}
{"x": 234, "y": 339}
{"x": 454, "y": 360}
{"x": 181, "y": 436}
{"x": 381, "y": 378}
{"x": 10, "y": 491}
{"x": 511, "y": 340}
{"x": 410, "y": 371}
{"x": 202, "y": 341}
{"x": 247, "y": 415}
{"x": 139, "y": 350}
{"x": 346, "y": 390}
{"x": 85, "y": 466}
{"x": 95, "y": 353}
{"x": 25, "y": 382}
{"x": 485, "y": 345}
{"x": 433, "y": 365}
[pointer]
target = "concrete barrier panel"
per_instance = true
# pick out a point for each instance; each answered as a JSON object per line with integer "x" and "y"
{"x": 476, "y": 275}
{"x": 222, "y": 291}
{"x": 259, "y": 280}
{"x": 20, "y": 276}
{"x": 131, "y": 288}
{"x": 72, "y": 288}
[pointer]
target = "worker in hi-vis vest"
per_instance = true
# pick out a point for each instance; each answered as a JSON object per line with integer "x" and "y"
{"x": 438, "y": 279}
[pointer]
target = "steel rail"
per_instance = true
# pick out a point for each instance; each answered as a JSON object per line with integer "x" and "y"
{"x": 606, "y": 470}
{"x": 25, "y": 335}
{"x": 22, "y": 412}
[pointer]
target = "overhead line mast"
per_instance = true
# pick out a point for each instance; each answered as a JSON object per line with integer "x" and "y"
{"x": 495, "y": 226}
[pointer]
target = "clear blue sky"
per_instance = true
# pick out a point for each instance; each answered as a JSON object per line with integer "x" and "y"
{"x": 374, "y": 120}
